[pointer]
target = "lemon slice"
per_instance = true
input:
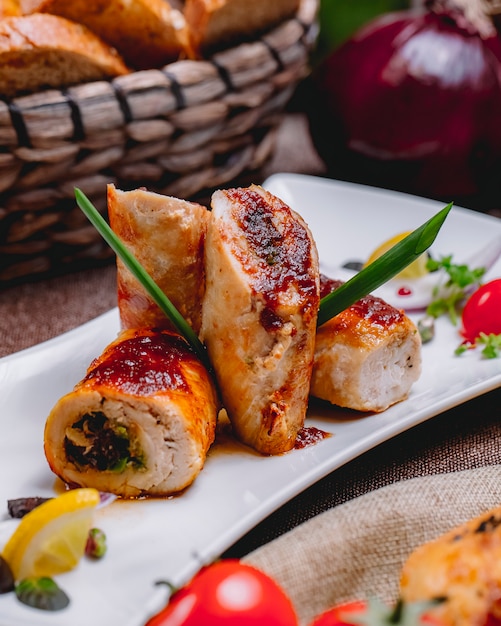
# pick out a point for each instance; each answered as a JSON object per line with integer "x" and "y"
{"x": 416, "y": 269}
{"x": 51, "y": 539}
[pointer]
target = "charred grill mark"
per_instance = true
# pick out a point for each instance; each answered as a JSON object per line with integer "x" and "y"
{"x": 144, "y": 365}
{"x": 94, "y": 442}
{"x": 278, "y": 255}
{"x": 488, "y": 525}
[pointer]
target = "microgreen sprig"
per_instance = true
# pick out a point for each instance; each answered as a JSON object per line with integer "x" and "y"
{"x": 382, "y": 269}
{"x": 448, "y": 297}
{"x": 132, "y": 264}
{"x": 491, "y": 345}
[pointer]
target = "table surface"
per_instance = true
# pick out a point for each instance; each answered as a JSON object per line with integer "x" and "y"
{"x": 461, "y": 438}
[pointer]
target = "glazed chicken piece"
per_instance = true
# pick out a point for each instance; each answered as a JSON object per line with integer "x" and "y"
{"x": 166, "y": 235}
{"x": 139, "y": 423}
{"x": 259, "y": 314}
{"x": 463, "y": 569}
{"x": 367, "y": 357}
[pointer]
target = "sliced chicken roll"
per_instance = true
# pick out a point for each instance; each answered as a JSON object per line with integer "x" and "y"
{"x": 139, "y": 423}
{"x": 367, "y": 357}
{"x": 259, "y": 314}
{"x": 166, "y": 235}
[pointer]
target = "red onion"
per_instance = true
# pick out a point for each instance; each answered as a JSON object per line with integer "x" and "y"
{"x": 413, "y": 102}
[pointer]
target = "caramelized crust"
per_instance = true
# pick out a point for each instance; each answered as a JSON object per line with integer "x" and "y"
{"x": 259, "y": 314}
{"x": 367, "y": 357}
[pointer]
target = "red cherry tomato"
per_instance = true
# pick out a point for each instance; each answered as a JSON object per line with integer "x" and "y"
{"x": 228, "y": 592}
{"x": 341, "y": 615}
{"x": 374, "y": 613}
{"x": 482, "y": 311}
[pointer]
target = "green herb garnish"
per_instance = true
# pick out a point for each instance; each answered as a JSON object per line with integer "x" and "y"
{"x": 382, "y": 269}
{"x": 491, "y": 345}
{"x": 142, "y": 276}
{"x": 449, "y": 296}
{"x": 42, "y": 593}
{"x": 367, "y": 280}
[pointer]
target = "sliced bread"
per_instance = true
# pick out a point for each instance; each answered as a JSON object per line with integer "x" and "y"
{"x": 146, "y": 33}
{"x": 39, "y": 51}
{"x": 218, "y": 23}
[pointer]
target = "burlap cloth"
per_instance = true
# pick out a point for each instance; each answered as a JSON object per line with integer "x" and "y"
{"x": 356, "y": 550}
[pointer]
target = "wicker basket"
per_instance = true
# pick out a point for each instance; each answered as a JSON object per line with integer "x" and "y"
{"x": 189, "y": 127}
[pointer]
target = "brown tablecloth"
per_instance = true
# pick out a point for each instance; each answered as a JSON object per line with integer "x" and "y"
{"x": 465, "y": 437}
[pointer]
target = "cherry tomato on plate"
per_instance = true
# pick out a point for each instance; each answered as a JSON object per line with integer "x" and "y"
{"x": 482, "y": 311}
{"x": 228, "y": 592}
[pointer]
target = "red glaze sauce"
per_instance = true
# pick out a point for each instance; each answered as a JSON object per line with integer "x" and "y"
{"x": 278, "y": 258}
{"x": 404, "y": 291}
{"x": 308, "y": 436}
{"x": 143, "y": 364}
{"x": 270, "y": 320}
{"x": 373, "y": 309}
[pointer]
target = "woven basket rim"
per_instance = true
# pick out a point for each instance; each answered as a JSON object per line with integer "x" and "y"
{"x": 182, "y": 130}
{"x": 230, "y": 65}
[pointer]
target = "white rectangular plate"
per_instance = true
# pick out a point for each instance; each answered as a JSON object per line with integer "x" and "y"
{"x": 168, "y": 539}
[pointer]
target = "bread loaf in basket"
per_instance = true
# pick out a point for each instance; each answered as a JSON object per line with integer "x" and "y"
{"x": 183, "y": 127}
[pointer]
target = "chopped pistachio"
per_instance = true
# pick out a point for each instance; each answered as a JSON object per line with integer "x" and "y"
{"x": 96, "y": 544}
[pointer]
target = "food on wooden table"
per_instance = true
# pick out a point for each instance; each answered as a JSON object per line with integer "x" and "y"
{"x": 213, "y": 23}
{"x": 367, "y": 357}
{"x": 139, "y": 423}
{"x": 38, "y": 51}
{"x": 147, "y": 33}
{"x": 259, "y": 314}
{"x": 462, "y": 568}
{"x": 166, "y": 235}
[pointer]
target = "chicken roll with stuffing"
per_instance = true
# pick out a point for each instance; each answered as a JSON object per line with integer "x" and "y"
{"x": 139, "y": 423}
{"x": 259, "y": 314}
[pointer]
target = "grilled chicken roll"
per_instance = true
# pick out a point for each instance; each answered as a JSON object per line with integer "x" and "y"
{"x": 166, "y": 235}
{"x": 462, "y": 568}
{"x": 139, "y": 423}
{"x": 259, "y": 314}
{"x": 367, "y": 357}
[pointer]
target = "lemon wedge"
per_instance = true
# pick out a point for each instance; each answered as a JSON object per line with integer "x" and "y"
{"x": 416, "y": 269}
{"x": 51, "y": 539}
